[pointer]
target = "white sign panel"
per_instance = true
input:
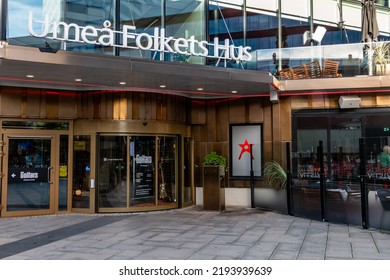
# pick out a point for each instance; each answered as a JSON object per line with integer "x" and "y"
{"x": 244, "y": 138}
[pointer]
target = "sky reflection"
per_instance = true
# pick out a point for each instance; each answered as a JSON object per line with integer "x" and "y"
{"x": 18, "y": 15}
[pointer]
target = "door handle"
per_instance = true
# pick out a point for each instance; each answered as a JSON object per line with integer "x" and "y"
{"x": 48, "y": 175}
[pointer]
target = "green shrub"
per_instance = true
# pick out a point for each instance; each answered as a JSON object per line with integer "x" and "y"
{"x": 214, "y": 159}
{"x": 274, "y": 175}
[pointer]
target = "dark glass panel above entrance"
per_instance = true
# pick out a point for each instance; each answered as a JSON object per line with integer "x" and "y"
{"x": 35, "y": 125}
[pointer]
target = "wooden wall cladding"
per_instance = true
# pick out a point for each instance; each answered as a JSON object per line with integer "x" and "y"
{"x": 211, "y": 122}
{"x": 51, "y": 104}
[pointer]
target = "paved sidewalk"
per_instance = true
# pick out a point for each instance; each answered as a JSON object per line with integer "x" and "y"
{"x": 189, "y": 233}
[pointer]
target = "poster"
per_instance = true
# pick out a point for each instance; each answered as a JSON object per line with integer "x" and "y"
{"x": 245, "y": 138}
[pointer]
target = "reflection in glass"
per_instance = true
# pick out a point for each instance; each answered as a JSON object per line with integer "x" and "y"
{"x": 63, "y": 173}
{"x": 129, "y": 175}
{"x": 36, "y": 125}
{"x": 223, "y": 22}
{"x": 89, "y": 13}
{"x": 188, "y": 178}
{"x": 167, "y": 170}
{"x": 145, "y": 16}
{"x": 142, "y": 170}
{"x": 81, "y": 171}
{"x": 112, "y": 170}
{"x": 340, "y": 140}
{"x": 184, "y": 19}
{"x": 18, "y": 15}
{"x": 28, "y": 174}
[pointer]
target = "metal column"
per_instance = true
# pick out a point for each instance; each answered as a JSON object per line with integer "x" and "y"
{"x": 363, "y": 187}
{"x": 3, "y": 20}
{"x": 280, "y": 30}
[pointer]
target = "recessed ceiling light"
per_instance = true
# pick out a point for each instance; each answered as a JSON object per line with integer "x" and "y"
{"x": 163, "y": 86}
{"x": 78, "y": 80}
{"x": 122, "y": 83}
{"x": 30, "y": 76}
{"x": 200, "y": 88}
{"x": 234, "y": 91}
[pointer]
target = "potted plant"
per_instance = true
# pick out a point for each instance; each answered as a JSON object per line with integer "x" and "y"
{"x": 215, "y": 159}
{"x": 213, "y": 172}
{"x": 381, "y": 58}
{"x": 274, "y": 175}
{"x": 274, "y": 195}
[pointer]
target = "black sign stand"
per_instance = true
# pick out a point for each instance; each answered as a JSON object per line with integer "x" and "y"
{"x": 252, "y": 180}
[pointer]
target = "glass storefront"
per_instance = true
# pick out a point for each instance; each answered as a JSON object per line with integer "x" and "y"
{"x": 50, "y": 170}
{"x": 136, "y": 172}
{"x": 333, "y": 139}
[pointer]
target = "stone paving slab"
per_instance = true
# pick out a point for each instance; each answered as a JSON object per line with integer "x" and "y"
{"x": 189, "y": 233}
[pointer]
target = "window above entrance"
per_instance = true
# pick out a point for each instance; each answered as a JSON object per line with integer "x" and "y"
{"x": 36, "y": 125}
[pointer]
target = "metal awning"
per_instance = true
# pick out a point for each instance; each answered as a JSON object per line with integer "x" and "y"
{"x": 30, "y": 67}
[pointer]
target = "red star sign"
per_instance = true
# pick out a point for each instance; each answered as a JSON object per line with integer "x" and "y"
{"x": 245, "y": 148}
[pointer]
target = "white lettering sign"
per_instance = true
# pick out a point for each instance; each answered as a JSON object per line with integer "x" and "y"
{"x": 159, "y": 41}
{"x": 143, "y": 159}
{"x": 28, "y": 175}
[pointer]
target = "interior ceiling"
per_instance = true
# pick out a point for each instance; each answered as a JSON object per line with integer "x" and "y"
{"x": 30, "y": 67}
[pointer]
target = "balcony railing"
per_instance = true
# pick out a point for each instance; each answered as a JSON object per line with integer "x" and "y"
{"x": 305, "y": 62}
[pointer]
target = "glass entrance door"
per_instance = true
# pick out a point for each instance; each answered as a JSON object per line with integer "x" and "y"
{"x": 29, "y": 176}
{"x": 137, "y": 172}
{"x": 334, "y": 170}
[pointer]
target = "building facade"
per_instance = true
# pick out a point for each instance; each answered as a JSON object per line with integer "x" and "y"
{"x": 110, "y": 106}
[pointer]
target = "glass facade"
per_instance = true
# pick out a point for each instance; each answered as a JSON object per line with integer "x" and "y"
{"x": 242, "y": 22}
{"x": 180, "y": 19}
{"x": 352, "y": 144}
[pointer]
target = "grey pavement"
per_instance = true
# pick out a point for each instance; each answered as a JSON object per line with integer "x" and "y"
{"x": 187, "y": 234}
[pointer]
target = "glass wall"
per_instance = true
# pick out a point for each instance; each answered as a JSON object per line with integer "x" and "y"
{"x": 145, "y": 16}
{"x": 18, "y": 21}
{"x": 86, "y": 13}
{"x": 340, "y": 134}
{"x": 257, "y": 26}
{"x": 184, "y": 19}
{"x": 136, "y": 172}
{"x": 226, "y": 23}
{"x": 243, "y": 22}
{"x": 180, "y": 19}
{"x": 384, "y": 3}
